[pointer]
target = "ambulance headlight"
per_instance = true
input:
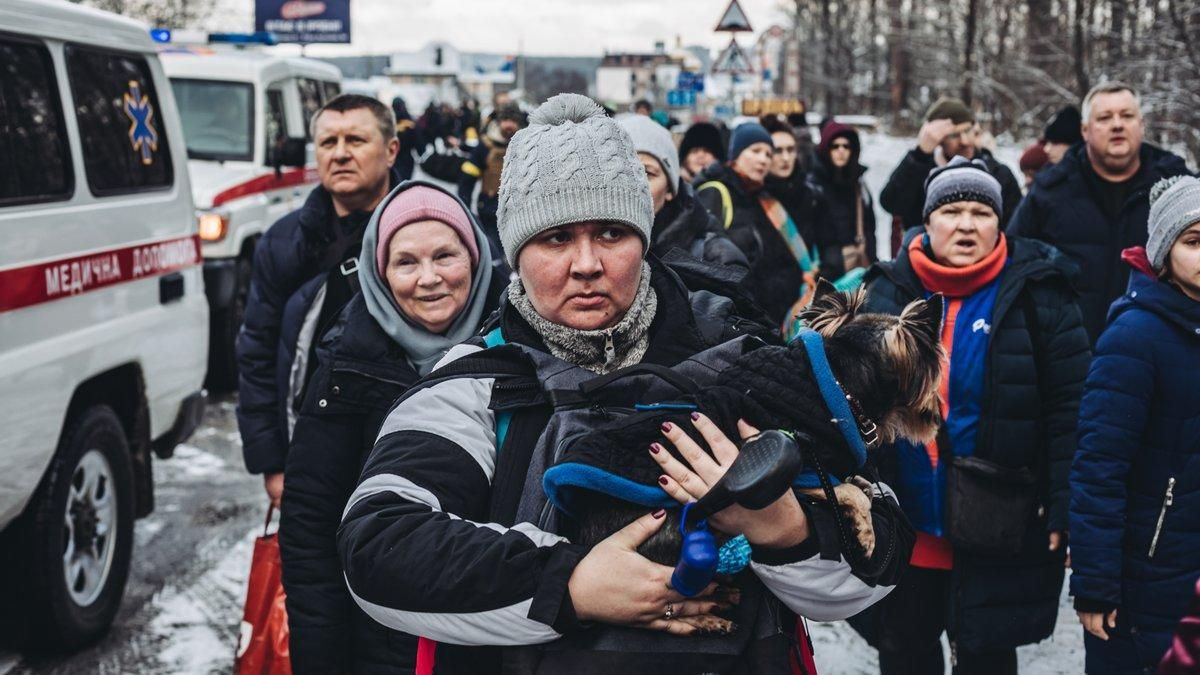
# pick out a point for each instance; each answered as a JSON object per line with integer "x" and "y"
{"x": 212, "y": 225}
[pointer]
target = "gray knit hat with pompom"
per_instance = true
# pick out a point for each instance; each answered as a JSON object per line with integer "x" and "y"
{"x": 1174, "y": 206}
{"x": 571, "y": 164}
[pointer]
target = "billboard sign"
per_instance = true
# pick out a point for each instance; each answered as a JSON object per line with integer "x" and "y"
{"x": 304, "y": 21}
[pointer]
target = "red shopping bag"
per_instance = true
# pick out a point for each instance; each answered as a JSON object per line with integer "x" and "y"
{"x": 263, "y": 640}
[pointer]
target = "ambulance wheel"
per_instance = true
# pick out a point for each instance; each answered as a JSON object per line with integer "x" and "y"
{"x": 78, "y": 536}
{"x": 223, "y": 332}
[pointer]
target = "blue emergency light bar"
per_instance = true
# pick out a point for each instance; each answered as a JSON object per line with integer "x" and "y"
{"x": 257, "y": 38}
{"x": 164, "y": 36}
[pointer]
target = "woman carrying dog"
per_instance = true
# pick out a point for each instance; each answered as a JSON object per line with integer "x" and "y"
{"x": 1135, "y": 482}
{"x": 988, "y": 498}
{"x": 429, "y": 539}
{"x": 427, "y": 283}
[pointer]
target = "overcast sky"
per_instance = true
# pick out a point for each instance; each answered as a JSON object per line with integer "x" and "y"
{"x": 558, "y": 27}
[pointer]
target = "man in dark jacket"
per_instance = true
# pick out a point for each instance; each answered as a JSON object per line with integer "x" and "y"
{"x": 948, "y": 132}
{"x": 1094, "y": 203}
{"x": 356, "y": 148}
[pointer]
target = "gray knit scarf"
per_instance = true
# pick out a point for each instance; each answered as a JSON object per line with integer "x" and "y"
{"x": 600, "y": 351}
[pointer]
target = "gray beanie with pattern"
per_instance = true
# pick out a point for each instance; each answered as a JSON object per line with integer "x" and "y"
{"x": 1174, "y": 206}
{"x": 571, "y": 164}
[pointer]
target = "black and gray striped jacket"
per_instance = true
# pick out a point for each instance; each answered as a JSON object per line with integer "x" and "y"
{"x": 428, "y": 541}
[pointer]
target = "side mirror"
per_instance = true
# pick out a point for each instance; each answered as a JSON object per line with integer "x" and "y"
{"x": 292, "y": 152}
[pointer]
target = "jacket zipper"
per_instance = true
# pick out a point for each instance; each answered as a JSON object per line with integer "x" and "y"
{"x": 1168, "y": 499}
{"x": 610, "y": 351}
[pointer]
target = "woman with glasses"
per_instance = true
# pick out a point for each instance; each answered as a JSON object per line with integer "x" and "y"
{"x": 847, "y": 240}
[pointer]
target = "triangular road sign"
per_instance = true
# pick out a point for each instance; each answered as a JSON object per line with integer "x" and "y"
{"x": 732, "y": 60}
{"x": 734, "y": 19}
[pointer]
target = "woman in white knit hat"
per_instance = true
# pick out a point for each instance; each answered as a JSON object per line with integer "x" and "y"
{"x": 1135, "y": 481}
{"x": 432, "y": 542}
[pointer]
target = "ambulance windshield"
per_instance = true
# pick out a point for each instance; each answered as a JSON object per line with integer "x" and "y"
{"x": 218, "y": 118}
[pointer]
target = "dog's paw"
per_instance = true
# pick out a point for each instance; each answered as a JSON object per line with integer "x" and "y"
{"x": 855, "y": 502}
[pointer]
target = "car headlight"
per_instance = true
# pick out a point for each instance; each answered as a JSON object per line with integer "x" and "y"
{"x": 212, "y": 225}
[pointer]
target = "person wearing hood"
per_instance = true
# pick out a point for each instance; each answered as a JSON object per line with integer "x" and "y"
{"x": 849, "y": 241}
{"x": 702, "y": 145}
{"x": 759, "y": 223}
{"x": 680, "y": 222}
{"x": 1135, "y": 481}
{"x": 427, "y": 283}
{"x": 431, "y": 540}
{"x": 989, "y": 497}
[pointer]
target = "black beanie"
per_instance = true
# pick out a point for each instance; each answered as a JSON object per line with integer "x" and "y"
{"x": 702, "y": 135}
{"x": 1064, "y": 127}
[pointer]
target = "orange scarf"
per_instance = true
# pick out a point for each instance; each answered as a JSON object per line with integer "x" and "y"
{"x": 956, "y": 282}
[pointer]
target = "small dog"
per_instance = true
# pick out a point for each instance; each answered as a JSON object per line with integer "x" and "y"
{"x": 889, "y": 366}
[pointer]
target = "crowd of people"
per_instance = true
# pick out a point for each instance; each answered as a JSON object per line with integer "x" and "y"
{"x": 405, "y": 348}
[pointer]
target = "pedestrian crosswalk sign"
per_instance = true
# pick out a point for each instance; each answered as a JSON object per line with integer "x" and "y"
{"x": 734, "y": 19}
{"x": 732, "y": 60}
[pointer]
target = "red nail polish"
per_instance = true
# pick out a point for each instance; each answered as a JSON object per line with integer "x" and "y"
{"x": 655, "y": 447}
{"x": 666, "y": 426}
{"x": 662, "y": 480}
{"x": 695, "y": 416}
{"x": 659, "y": 513}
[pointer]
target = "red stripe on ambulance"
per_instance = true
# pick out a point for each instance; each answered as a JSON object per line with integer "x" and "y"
{"x": 265, "y": 183}
{"x": 54, "y": 279}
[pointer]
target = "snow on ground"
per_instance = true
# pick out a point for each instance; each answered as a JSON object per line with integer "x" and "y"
{"x": 187, "y": 617}
{"x": 841, "y": 651}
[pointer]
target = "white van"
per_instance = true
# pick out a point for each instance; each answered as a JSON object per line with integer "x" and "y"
{"x": 245, "y": 119}
{"x": 103, "y": 320}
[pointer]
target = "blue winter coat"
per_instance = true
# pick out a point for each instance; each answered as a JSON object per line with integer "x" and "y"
{"x": 1139, "y": 434}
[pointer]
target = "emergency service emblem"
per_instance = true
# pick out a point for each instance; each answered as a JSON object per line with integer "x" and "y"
{"x": 142, "y": 135}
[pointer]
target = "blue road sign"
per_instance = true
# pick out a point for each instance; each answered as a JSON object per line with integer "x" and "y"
{"x": 681, "y": 98}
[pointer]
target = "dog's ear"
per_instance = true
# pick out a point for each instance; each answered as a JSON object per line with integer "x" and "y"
{"x": 823, "y": 288}
{"x": 831, "y": 309}
{"x": 925, "y": 316}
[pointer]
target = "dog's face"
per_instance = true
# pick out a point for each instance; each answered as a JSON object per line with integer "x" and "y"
{"x": 891, "y": 364}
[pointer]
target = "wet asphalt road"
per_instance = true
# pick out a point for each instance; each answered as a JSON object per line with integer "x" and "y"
{"x": 184, "y": 597}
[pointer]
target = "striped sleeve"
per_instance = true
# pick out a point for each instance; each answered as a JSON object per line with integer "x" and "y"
{"x": 418, "y": 553}
{"x": 816, "y": 581}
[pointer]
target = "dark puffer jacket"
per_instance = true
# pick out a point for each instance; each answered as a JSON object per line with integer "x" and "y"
{"x": 904, "y": 194}
{"x": 1027, "y": 419}
{"x": 1062, "y": 210}
{"x": 1139, "y": 437}
{"x": 362, "y": 372}
{"x": 292, "y": 252}
{"x": 684, "y": 224}
{"x": 844, "y": 191}
{"x": 775, "y": 278}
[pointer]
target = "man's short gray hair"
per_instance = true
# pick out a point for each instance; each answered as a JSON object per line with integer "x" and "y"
{"x": 346, "y": 102}
{"x": 1111, "y": 87}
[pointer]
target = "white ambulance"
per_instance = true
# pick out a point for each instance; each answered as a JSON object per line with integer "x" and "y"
{"x": 245, "y": 120}
{"x": 103, "y": 319}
